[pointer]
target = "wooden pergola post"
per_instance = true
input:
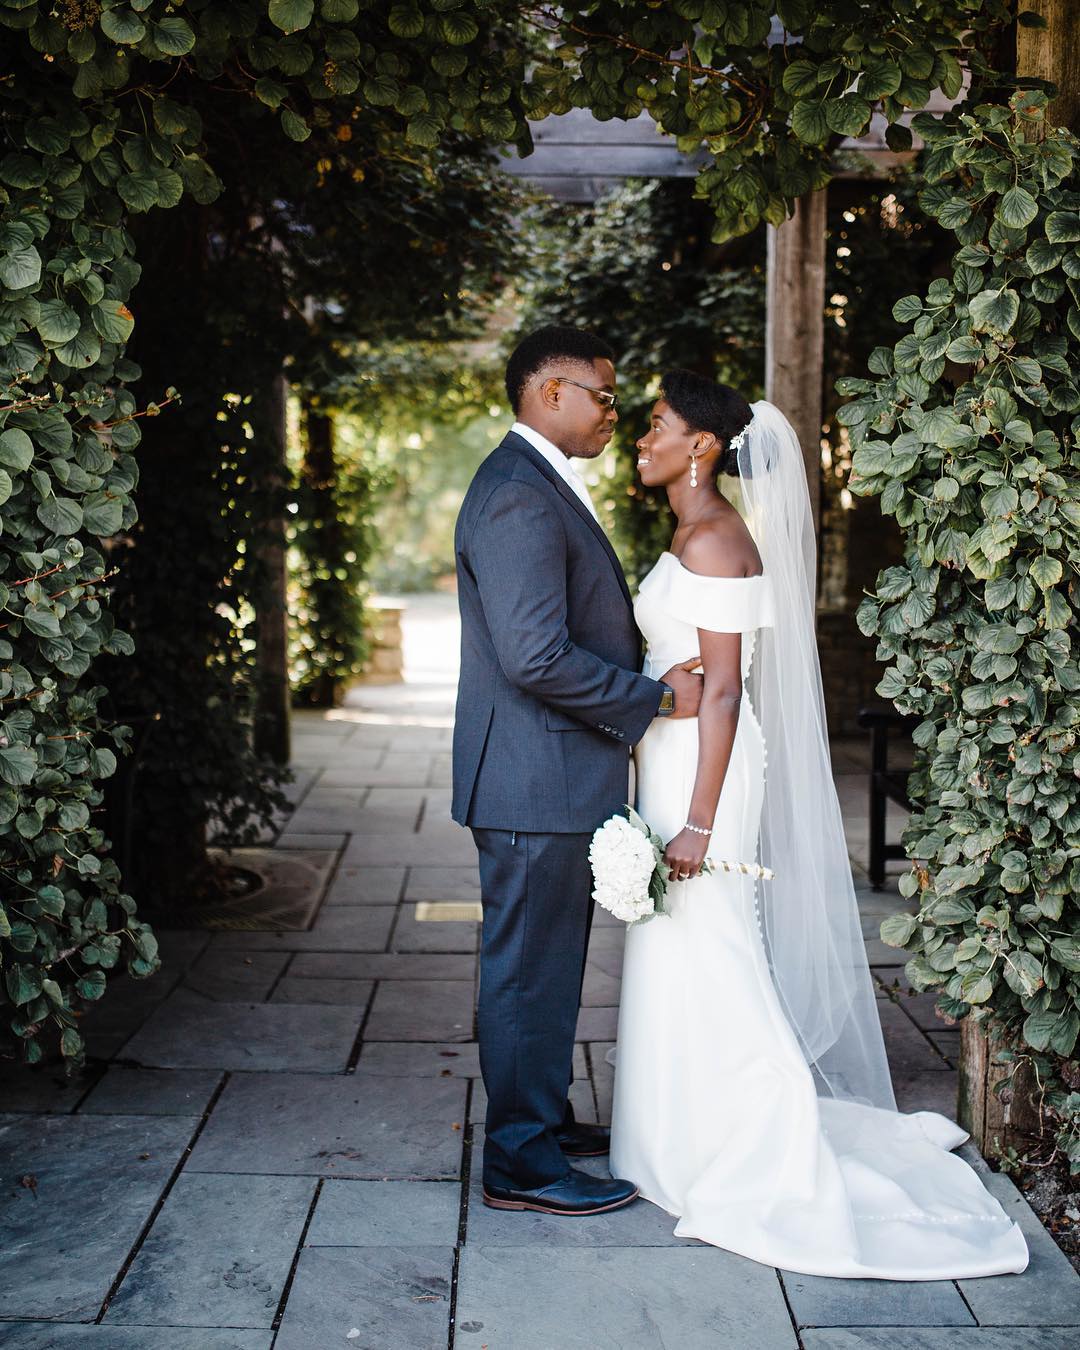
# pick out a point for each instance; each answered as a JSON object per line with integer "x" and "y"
{"x": 1053, "y": 53}
{"x": 795, "y": 328}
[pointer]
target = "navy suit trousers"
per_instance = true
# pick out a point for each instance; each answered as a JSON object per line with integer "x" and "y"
{"x": 537, "y": 897}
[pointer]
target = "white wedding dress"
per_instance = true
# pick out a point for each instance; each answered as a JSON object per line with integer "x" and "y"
{"x": 716, "y": 1114}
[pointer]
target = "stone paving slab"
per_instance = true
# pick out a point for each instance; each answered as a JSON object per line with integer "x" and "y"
{"x": 819, "y": 1302}
{"x": 412, "y": 935}
{"x": 938, "y": 1338}
{"x": 235, "y": 976}
{"x": 344, "y": 993}
{"x": 354, "y": 768}
{"x": 597, "y": 1024}
{"x": 218, "y": 1253}
{"x": 383, "y": 966}
{"x": 190, "y": 1032}
{"x": 58, "y": 1336}
{"x": 386, "y": 1214}
{"x": 152, "y": 1092}
{"x": 910, "y": 1051}
{"x": 420, "y": 1059}
{"x": 443, "y": 883}
{"x": 455, "y": 850}
{"x": 1047, "y": 1293}
{"x": 618, "y": 1298}
{"x": 341, "y": 929}
{"x": 929, "y": 1090}
{"x": 326, "y": 841}
{"x": 358, "y": 1125}
{"x": 374, "y": 1298}
{"x": 365, "y": 886}
{"x": 422, "y": 1010}
{"x": 600, "y": 990}
{"x": 921, "y": 1008}
{"x": 97, "y": 1181}
{"x": 124, "y": 1007}
{"x": 43, "y": 1089}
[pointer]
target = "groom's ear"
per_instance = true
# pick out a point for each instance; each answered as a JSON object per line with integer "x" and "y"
{"x": 549, "y": 392}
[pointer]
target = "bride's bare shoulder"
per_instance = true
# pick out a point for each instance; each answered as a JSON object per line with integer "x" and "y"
{"x": 721, "y": 548}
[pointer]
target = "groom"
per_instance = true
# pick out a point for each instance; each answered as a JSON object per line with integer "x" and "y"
{"x": 549, "y": 703}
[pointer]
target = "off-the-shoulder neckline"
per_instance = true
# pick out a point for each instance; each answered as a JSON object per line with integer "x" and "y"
{"x": 701, "y": 576}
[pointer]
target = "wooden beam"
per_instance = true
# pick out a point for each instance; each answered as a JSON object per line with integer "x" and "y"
{"x": 1053, "y": 53}
{"x": 795, "y": 328}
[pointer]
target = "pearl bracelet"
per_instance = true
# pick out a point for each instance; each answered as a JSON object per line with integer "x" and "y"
{"x": 696, "y": 829}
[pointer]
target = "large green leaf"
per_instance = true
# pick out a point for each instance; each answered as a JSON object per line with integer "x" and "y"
{"x": 113, "y": 320}
{"x": 120, "y": 24}
{"x": 102, "y": 514}
{"x": 173, "y": 36}
{"x": 61, "y": 515}
{"x": 1046, "y": 571}
{"x": 994, "y": 311}
{"x": 16, "y": 449}
{"x": 1063, "y": 227}
{"x": 406, "y": 21}
{"x": 809, "y": 123}
{"x": 19, "y": 268}
{"x": 57, "y": 322}
{"x": 83, "y": 350}
{"x": 879, "y": 79}
{"x": 1017, "y": 208}
{"x": 23, "y": 983}
{"x": 291, "y": 15}
{"x": 459, "y": 28}
{"x": 139, "y": 191}
{"x": 897, "y": 929}
{"x": 18, "y": 764}
{"x": 800, "y": 78}
{"x": 294, "y": 125}
{"x": 847, "y": 116}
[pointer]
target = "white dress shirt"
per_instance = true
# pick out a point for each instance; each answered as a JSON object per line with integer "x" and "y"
{"x": 559, "y": 462}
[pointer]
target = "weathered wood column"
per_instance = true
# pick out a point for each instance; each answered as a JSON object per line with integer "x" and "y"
{"x": 795, "y": 328}
{"x": 1053, "y": 53}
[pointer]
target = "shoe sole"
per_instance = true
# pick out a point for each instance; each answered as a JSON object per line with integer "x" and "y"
{"x": 537, "y": 1208}
{"x": 593, "y": 1153}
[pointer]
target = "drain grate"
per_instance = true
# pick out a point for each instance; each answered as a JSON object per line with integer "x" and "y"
{"x": 449, "y": 911}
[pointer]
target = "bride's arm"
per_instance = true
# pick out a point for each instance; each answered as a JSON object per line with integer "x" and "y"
{"x": 718, "y": 719}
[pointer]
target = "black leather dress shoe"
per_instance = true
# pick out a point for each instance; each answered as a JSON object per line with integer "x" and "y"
{"x": 575, "y": 1195}
{"x": 579, "y": 1140}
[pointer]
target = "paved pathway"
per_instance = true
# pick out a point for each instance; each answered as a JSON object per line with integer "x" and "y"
{"x": 276, "y": 1145}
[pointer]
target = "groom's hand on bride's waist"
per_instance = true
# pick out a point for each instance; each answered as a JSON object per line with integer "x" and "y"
{"x": 686, "y": 687}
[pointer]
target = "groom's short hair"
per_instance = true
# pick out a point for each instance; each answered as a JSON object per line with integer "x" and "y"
{"x": 545, "y": 346}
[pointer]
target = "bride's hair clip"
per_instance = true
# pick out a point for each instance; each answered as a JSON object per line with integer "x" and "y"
{"x": 736, "y": 442}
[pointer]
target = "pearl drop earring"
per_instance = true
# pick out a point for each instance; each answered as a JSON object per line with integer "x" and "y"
{"x": 693, "y": 470}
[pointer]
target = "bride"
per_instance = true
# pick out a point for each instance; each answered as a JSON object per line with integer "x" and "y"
{"x": 752, "y": 1092}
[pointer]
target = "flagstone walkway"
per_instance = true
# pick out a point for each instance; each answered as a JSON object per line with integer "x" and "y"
{"x": 275, "y": 1146}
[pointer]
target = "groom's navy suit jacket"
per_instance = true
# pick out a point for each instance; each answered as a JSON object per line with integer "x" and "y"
{"x": 550, "y": 697}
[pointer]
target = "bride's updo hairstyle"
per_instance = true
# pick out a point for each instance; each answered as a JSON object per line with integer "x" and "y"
{"x": 705, "y": 405}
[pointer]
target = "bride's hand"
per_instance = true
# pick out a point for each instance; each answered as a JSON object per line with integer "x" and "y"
{"x": 685, "y": 855}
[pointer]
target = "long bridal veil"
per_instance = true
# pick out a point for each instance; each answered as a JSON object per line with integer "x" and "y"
{"x": 809, "y": 912}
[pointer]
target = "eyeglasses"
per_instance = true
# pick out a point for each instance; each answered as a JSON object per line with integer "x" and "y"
{"x": 602, "y": 396}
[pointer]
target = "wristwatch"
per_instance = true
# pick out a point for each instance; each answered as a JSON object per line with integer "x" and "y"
{"x": 667, "y": 701}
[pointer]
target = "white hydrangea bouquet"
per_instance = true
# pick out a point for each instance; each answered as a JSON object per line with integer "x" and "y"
{"x": 629, "y": 873}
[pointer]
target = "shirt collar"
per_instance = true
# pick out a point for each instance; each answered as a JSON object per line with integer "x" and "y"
{"x": 551, "y": 452}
